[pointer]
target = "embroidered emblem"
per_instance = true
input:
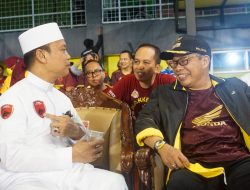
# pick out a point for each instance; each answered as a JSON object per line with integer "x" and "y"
{"x": 135, "y": 94}
{"x": 6, "y": 111}
{"x": 39, "y": 108}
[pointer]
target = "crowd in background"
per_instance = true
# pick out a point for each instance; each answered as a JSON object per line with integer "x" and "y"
{"x": 182, "y": 116}
{"x": 13, "y": 69}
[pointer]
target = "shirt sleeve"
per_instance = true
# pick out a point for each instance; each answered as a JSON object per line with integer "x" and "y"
{"x": 118, "y": 89}
{"x": 76, "y": 118}
{"x": 98, "y": 44}
{"x": 147, "y": 123}
{"x": 22, "y": 152}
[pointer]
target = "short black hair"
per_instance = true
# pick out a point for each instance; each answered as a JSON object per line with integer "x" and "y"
{"x": 155, "y": 48}
{"x": 88, "y": 43}
{"x": 29, "y": 57}
{"x": 128, "y": 52}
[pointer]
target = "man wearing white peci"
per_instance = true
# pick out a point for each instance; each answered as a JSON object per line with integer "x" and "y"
{"x": 41, "y": 137}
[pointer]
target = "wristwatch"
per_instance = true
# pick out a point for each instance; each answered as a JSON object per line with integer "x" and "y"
{"x": 158, "y": 145}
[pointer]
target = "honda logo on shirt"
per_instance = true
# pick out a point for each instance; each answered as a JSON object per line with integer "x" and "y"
{"x": 40, "y": 108}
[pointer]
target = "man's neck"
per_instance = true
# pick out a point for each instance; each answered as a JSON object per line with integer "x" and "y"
{"x": 44, "y": 76}
{"x": 203, "y": 84}
{"x": 149, "y": 83}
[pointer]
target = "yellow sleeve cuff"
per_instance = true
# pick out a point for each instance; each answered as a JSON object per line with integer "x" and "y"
{"x": 147, "y": 133}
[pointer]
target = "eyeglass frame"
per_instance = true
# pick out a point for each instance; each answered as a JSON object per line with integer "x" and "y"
{"x": 94, "y": 73}
{"x": 184, "y": 59}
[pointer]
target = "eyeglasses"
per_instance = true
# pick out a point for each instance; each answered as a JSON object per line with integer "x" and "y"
{"x": 182, "y": 61}
{"x": 94, "y": 73}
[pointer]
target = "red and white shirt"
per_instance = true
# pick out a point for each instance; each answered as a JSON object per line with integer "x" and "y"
{"x": 129, "y": 90}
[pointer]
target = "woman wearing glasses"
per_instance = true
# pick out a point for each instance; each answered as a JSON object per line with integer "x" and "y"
{"x": 95, "y": 75}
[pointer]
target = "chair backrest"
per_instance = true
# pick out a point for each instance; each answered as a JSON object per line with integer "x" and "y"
{"x": 111, "y": 116}
{"x": 108, "y": 121}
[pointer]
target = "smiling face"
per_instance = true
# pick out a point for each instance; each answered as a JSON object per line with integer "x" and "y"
{"x": 125, "y": 60}
{"x": 191, "y": 70}
{"x": 144, "y": 65}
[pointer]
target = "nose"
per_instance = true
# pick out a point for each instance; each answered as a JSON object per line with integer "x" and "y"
{"x": 68, "y": 55}
{"x": 93, "y": 75}
{"x": 140, "y": 66}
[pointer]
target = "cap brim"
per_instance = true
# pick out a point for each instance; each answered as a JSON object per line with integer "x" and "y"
{"x": 169, "y": 54}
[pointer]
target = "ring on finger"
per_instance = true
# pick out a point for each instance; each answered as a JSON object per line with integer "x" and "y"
{"x": 56, "y": 130}
{"x": 173, "y": 165}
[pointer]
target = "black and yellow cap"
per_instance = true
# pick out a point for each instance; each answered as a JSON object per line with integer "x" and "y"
{"x": 187, "y": 44}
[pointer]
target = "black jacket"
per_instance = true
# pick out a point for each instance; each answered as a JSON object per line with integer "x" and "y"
{"x": 163, "y": 114}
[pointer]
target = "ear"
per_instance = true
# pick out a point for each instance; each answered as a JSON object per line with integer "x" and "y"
{"x": 206, "y": 61}
{"x": 41, "y": 55}
{"x": 157, "y": 68}
{"x": 103, "y": 74}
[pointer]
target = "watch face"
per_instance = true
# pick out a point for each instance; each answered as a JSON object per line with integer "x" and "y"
{"x": 159, "y": 144}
